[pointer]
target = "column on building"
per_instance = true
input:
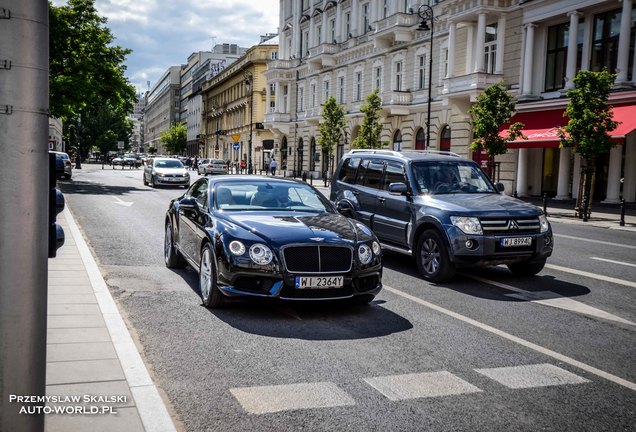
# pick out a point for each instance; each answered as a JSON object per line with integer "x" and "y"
{"x": 622, "y": 62}
{"x": 296, "y": 31}
{"x": 325, "y": 29}
{"x": 282, "y": 46}
{"x": 612, "y": 195}
{"x": 570, "y": 68}
{"x": 564, "y": 174}
{"x": 526, "y": 87}
{"x": 452, "y": 34}
{"x": 522, "y": 173}
{"x": 470, "y": 55}
{"x": 268, "y": 98}
{"x": 481, "y": 42}
{"x": 355, "y": 17}
{"x": 339, "y": 24}
{"x": 501, "y": 43}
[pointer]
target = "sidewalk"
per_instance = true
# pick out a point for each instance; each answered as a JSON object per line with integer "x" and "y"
{"x": 90, "y": 354}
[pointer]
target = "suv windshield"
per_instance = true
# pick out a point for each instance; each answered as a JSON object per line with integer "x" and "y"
{"x": 450, "y": 177}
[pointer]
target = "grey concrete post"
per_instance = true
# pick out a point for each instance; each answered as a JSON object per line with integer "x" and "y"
{"x": 24, "y": 92}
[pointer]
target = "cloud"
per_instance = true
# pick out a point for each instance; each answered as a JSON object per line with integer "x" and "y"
{"x": 163, "y": 33}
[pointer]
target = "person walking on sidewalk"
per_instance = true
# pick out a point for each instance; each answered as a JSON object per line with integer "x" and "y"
{"x": 272, "y": 166}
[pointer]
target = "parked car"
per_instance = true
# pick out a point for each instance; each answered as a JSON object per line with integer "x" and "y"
{"x": 117, "y": 160}
{"x": 258, "y": 237}
{"x": 201, "y": 165}
{"x": 63, "y": 165}
{"x": 132, "y": 160}
{"x": 443, "y": 210}
{"x": 165, "y": 171}
{"x": 214, "y": 166}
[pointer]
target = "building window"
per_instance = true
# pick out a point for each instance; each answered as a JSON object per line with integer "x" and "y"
{"x": 326, "y": 88}
{"x": 274, "y": 55}
{"x": 347, "y": 24}
{"x": 365, "y": 18}
{"x": 377, "y": 79}
{"x": 398, "y": 76}
{"x": 420, "y": 139}
{"x": 318, "y": 35}
{"x": 301, "y": 99}
{"x": 444, "y": 68}
{"x": 305, "y": 46}
{"x": 421, "y": 72}
{"x": 358, "y": 86}
{"x": 605, "y": 41}
{"x": 385, "y": 8}
{"x": 332, "y": 30}
{"x": 490, "y": 49}
{"x": 272, "y": 106}
{"x": 557, "y": 52}
{"x": 285, "y": 97}
{"x": 313, "y": 95}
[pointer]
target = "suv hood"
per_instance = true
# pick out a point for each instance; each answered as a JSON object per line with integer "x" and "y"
{"x": 478, "y": 204}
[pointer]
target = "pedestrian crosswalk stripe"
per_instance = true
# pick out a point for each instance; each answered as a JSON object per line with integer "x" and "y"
{"x": 269, "y": 399}
{"x": 421, "y": 385}
{"x": 539, "y": 375}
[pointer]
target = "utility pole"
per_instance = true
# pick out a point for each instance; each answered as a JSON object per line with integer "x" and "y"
{"x": 24, "y": 113}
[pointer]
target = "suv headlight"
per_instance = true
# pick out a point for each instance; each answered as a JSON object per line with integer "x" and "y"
{"x": 364, "y": 254}
{"x": 468, "y": 225}
{"x": 261, "y": 254}
{"x": 545, "y": 225}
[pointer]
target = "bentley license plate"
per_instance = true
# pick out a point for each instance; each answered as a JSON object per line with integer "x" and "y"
{"x": 516, "y": 241}
{"x": 319, "y": 282}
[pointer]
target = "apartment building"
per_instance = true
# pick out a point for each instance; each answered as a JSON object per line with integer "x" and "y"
{"x": 162, "y": 108}
{"x": 234, "y": 106}
{"x": 434, "y": 69}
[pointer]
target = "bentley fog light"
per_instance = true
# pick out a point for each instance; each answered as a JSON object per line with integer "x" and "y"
{"x": 261, "y": 254}
{"x": 237, "y": 248}
{"x": 364, "y": 254}
{"x": 545, "y": 225}
{"x": 468, "y": 225}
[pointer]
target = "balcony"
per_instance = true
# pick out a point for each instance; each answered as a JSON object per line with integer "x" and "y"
{"x": 322, "y": 55}
{"x": 397, "y": 102}
{"x": 312, "y": 115}
{"x": 278, "y": 122}
{"x": 396, "y": 28}
{"x": 278, "y": 70}
{"x": 470, "y": 84}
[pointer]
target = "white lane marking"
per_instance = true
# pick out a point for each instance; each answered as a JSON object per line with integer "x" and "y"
{"x": 613, "y": 262}
{"x": 421, "y": 385}
{"x": 122, "y": 202}
{"x": 550, "y": 298}
{"x": 545, "y": 351}
{"x": 595, "y": 241}
{"x": 592, "y": 275}
{"x": 530, "y": 376}
{"x": 269, "y": 399}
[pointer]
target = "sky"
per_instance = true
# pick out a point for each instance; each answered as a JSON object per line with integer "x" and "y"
{"x": 163, "y": 33}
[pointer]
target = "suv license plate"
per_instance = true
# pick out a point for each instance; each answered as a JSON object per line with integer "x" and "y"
{"x": 516, "y": 241}
{"x": 303, "y": 282}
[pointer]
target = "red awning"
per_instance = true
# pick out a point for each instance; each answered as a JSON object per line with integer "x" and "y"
{"x": 540, "y": 127}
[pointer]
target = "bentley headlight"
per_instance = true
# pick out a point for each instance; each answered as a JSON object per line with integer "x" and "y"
{"x": 545, "y": 225}
{"x": 468, "y": 225}
{"x": 237, "y": 248}
{"x": 364, "y": 254}
{"x": 376, "y": 248}
{"x": 261, "y": 254}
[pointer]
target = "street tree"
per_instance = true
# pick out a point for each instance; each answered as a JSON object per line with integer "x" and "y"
{"x": 371, "y": 128}
{"x": 590, "y": 121}
{"x": 330, "y": 129}
{"x": 86, "y": 69}
{"x": 175, "y": 138}
{"x": 494, "y": 107}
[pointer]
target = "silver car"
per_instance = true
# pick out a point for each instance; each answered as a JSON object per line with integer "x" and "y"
{"x": 63, "y": 165}
{"x": 165, "y": 171}
{"x": 201, "y": 166}
{"x": 214, "y": 166}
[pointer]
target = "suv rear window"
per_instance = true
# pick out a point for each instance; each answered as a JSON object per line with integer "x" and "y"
{"x": 372, "y": 174}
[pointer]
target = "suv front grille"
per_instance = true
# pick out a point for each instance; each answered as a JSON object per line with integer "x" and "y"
{"x": 317, "y": 259}
{"x": 528, "y": 225}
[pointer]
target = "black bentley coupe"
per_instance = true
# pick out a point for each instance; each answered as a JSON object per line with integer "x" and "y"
{"x": 254, "y": 236}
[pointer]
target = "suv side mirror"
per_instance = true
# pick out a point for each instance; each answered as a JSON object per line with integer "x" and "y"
{"x": 398, "y": 189}
{"x": 499, "y": 186}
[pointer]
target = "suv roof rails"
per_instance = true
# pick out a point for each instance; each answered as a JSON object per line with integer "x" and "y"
{"x": 403, "y": 152}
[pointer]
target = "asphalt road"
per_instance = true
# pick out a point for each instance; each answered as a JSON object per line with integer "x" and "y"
{"x": 486, "y": 352}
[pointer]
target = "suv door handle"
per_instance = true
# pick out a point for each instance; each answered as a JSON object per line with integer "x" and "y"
{"x": 381, "y": 199}
{"x": 356, "y": 193}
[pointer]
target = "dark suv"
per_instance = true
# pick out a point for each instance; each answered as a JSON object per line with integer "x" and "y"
{"x": 442, "y": 209}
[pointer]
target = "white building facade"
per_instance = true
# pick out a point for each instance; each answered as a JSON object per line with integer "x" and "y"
{"x": 348, "y": 48}
{"x": 162, "y": 108}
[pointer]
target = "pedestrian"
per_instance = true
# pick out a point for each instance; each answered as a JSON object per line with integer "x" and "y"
{"x": 266, "y": 168}
{"x": 196, "y": 163}
{"x": 272, "y": 166}
{"x": 242, "y": 166}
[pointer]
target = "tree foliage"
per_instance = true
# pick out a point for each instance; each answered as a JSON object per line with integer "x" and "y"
{"x": 494, "y": 107}
{"x": 371, "y": 128}
{"x": 86, "y": 73}
{"x": 590, "y": 116}
{"x": 331, "y": 128}
{"x": 175, "y": 138}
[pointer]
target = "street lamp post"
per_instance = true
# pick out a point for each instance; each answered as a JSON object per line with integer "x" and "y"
{"x": 78, "y": 158}
{"x": 426, "y": 14}
{"x": 249, "y": 83}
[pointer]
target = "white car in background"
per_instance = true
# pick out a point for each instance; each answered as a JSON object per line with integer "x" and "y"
{"x": 165, "y": 171}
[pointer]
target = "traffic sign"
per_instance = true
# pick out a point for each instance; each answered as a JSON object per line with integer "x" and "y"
{"x": 236, "y": 146}
{"x": 236, "y": 137}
